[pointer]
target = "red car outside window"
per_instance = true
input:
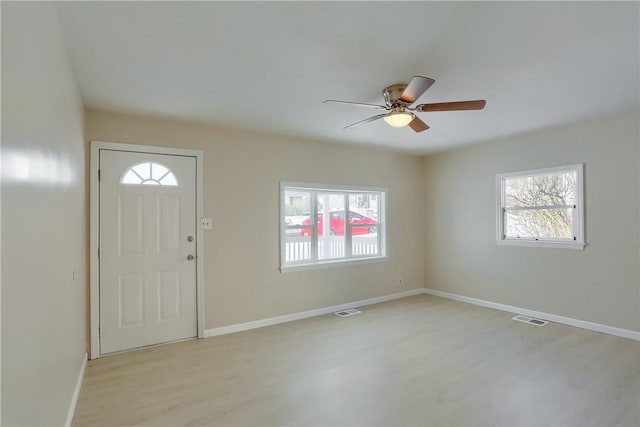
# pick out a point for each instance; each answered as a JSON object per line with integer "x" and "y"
{"x": 336, "y": 223}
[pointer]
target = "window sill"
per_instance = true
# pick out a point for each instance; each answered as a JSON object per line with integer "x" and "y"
{"x": 333, "y": 264}
{"x": 542, "y": 244}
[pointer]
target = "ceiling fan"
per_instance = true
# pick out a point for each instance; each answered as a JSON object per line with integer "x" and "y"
{"x": 398, "y": 100}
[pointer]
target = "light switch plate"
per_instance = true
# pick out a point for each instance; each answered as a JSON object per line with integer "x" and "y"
{"x": 205, "y": 223}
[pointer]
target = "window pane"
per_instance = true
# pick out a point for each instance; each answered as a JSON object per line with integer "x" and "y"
{"x": 131, "y": 178}
{"x": 539, "y": 223}
{"x": 363, "y": 213}
{"x": 330, "y": 208}
{"x": 297, "y": 246}
{"x": 169, "y": 179}
{"x": 158, "y": 171}
{"x": 144, "y": 170}
{"x": 297, "y": 208}
{"x": 541, "y": 190}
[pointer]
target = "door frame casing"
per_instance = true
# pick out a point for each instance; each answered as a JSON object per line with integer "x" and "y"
{"x": 94, "y": 231}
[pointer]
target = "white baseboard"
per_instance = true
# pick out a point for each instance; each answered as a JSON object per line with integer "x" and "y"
{"x": 597, "y": 327}
{"x": 76, "y": 392}
{"x": 625, "y": 333}
{"x": 305, "y": 314}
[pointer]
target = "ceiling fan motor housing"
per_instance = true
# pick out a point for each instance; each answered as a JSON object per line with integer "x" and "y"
{"x": 392, "y": 94}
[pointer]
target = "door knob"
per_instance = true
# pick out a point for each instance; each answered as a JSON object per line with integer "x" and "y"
{"x": 190, "y": 257}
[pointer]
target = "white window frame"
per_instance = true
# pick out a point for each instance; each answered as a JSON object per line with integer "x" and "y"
{"x": 578, "y": 217}
{"x": 143, "y": 181}
{"x": 314, "y": 263}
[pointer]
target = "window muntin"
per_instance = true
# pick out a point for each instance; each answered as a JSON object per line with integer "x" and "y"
{"x": 541, "y": 207}
{"x": 330, "y": 216}
{"x": 308, "y": 210}
{"x": 149, "y": 173}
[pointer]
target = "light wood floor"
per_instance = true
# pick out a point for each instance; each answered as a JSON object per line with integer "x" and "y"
{"x": 421, "y": 360}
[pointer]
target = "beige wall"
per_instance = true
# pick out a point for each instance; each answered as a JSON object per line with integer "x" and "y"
{"x": 599, "y": 284}
{"x": 43, "y": 220}
{"x": 242, "y": 172}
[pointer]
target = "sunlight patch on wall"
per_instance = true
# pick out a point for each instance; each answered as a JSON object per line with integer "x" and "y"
{"x": 35, "y": 168}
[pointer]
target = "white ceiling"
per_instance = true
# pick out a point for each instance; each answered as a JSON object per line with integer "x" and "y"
{"x": 268, "y": 66}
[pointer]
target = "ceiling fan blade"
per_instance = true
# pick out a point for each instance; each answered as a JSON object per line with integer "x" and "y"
{"x": 358, "y": 104}
{"x": 369, "y": 120}
{"x": 418, "y": 125}
{"x": 416, "y": 87}
{"x": 453, "y": 106}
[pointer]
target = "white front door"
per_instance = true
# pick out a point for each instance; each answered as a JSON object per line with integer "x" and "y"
{"x": 147, "y": 249}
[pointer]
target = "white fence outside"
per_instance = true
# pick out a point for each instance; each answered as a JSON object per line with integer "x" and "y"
{"x": 300, "y": 248}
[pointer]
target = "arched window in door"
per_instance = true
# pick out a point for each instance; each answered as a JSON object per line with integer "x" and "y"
{"x": 149, "y": 173}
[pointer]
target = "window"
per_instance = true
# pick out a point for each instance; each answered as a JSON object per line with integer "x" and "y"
{"x": 314, "y": 231}
{"x": 149, "y": 173}
{"x": 542, "y": 207}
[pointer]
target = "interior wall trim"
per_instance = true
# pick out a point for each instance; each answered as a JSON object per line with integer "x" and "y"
{"x": 223, "y": 330}
{"x": 597, "y": 327}
{"x": 76, "y": 392}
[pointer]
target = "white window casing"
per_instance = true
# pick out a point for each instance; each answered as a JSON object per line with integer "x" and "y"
{"x": 567, "y": 234}
{"x": 355, "y": 218}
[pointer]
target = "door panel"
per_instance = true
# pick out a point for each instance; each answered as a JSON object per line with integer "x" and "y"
{"x": 168, "y": 224}
{"x": 130, "y": 224}
{"x": 169, "y": 292}
{"x": 147, "y": 282}
{"x": 131, "y": 301}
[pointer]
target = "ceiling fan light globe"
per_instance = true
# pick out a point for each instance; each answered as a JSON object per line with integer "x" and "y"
{"x": 399, "y": 119}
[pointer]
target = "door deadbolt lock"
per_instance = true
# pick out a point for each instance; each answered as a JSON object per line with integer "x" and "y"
{"x": 190, "y": 257}
{"x": 189, "y": 238}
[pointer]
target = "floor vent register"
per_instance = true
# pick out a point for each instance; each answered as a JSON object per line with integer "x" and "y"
{"x": 347, "y": 313}
{"x": 530, "y": 320}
